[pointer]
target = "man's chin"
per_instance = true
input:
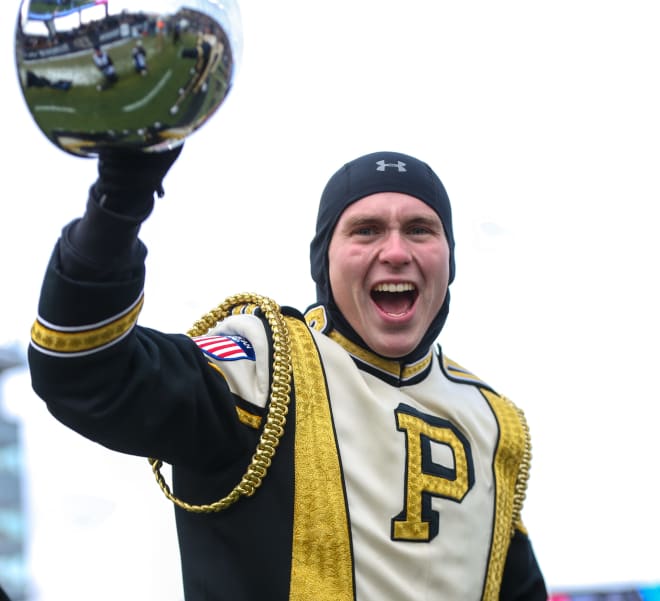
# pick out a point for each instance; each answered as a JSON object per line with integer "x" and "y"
{"x": 393, "y": 347}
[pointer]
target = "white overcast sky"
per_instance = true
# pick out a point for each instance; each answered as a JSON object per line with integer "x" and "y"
{"x": 542, "y": 119}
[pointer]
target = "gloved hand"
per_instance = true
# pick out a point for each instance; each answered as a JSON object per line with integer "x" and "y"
{"x": 128, "y": 179}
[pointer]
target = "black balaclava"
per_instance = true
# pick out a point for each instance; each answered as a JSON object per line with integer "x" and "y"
{"x": 366, "y": 175}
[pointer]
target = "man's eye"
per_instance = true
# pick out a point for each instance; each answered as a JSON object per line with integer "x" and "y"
{"x": 419, "y": 230}
{"x": 365, "y": 230}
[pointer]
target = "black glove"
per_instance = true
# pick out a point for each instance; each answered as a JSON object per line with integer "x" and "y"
{"x": 128, "y": 179}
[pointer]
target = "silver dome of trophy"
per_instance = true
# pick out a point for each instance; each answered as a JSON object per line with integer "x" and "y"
{"x": 138, "y": 74}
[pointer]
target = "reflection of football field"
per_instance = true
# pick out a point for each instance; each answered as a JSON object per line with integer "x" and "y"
{"x": 134, "y": 101}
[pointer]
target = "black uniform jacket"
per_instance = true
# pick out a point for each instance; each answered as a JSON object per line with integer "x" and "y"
{"x": 143, "y": 392}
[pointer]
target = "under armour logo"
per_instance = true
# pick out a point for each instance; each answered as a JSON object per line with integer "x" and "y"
{"x": 382, "y": 165}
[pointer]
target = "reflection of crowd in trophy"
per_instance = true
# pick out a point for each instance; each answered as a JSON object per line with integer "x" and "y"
{"x": 86, "y": 35}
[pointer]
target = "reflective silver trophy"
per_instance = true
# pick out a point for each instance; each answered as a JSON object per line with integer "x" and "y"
{"x": 135, "y": 74}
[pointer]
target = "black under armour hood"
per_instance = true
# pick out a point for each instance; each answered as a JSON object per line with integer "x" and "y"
{"x": 366, "y": 175}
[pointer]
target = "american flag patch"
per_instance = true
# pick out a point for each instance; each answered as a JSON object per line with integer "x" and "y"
{"x": 226, "y": 348}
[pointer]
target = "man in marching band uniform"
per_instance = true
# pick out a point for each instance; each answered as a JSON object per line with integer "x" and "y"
{"x": 335, "y": 454}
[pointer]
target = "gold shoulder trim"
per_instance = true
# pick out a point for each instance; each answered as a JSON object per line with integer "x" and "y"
{"x": 511, "y": 471}
{"x": 458, "y": 372}
{"x": 316, "y": 318}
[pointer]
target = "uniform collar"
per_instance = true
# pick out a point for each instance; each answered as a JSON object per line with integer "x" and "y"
{"x": 392, "y": 371}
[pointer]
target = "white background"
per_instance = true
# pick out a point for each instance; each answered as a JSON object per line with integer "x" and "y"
{"x": 541, "y": 118}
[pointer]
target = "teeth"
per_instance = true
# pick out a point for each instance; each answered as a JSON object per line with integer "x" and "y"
{"x": 401, "y": 287}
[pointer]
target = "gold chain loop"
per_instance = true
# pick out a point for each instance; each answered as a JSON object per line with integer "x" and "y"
{"x": 278, "y": 403}
{"x": 520, "y": 491}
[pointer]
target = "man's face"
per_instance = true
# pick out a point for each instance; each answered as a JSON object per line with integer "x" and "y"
{"x": 389, "y": 270}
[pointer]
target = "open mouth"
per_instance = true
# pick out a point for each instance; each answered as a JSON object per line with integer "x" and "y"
{"x": 394, "y": 299}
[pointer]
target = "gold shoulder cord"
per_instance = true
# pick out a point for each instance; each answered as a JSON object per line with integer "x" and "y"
{"x": 277, "y": 409}
{"x": 511, "y": 470}
{"x": 520, "y": 489}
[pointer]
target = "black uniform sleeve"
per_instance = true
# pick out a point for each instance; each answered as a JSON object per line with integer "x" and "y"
{"x": 130, "y": 388}
{"x": 522, "y": 579}
{"x": 102, "y": 246}
{"x": 127, "y": 387}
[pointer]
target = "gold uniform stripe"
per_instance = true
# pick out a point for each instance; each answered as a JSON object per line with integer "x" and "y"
{"x": 82, "y": 340}
{"x": 512, "y": 458}
{"x": 321, "y": 563}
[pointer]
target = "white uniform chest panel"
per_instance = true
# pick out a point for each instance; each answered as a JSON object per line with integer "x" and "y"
{"x": 418, "y": 470}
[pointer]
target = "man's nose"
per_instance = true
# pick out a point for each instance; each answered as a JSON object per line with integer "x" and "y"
{"x": 395, "y": 249}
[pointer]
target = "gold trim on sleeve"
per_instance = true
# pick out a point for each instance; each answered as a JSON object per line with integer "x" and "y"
{"x": 83, "y": 339}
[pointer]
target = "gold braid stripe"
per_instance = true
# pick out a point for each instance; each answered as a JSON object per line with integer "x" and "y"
{"x": 83, "y": 340}
{"x": 277, "y": 410}
{"x": 512, "y": 464}
{"x": 321, "y": 562}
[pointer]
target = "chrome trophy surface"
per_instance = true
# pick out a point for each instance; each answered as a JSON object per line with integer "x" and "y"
{"x": 138, "y": 74}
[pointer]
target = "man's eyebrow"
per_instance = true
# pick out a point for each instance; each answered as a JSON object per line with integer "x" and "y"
{"x": 426, "y": 220}
{"x": 364, "y": 218}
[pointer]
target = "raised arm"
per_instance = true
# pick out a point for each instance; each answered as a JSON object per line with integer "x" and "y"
{"x": 130, "y": 388}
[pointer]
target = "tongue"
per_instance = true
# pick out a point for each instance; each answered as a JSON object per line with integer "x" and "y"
{"x": 392, "y": 303}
